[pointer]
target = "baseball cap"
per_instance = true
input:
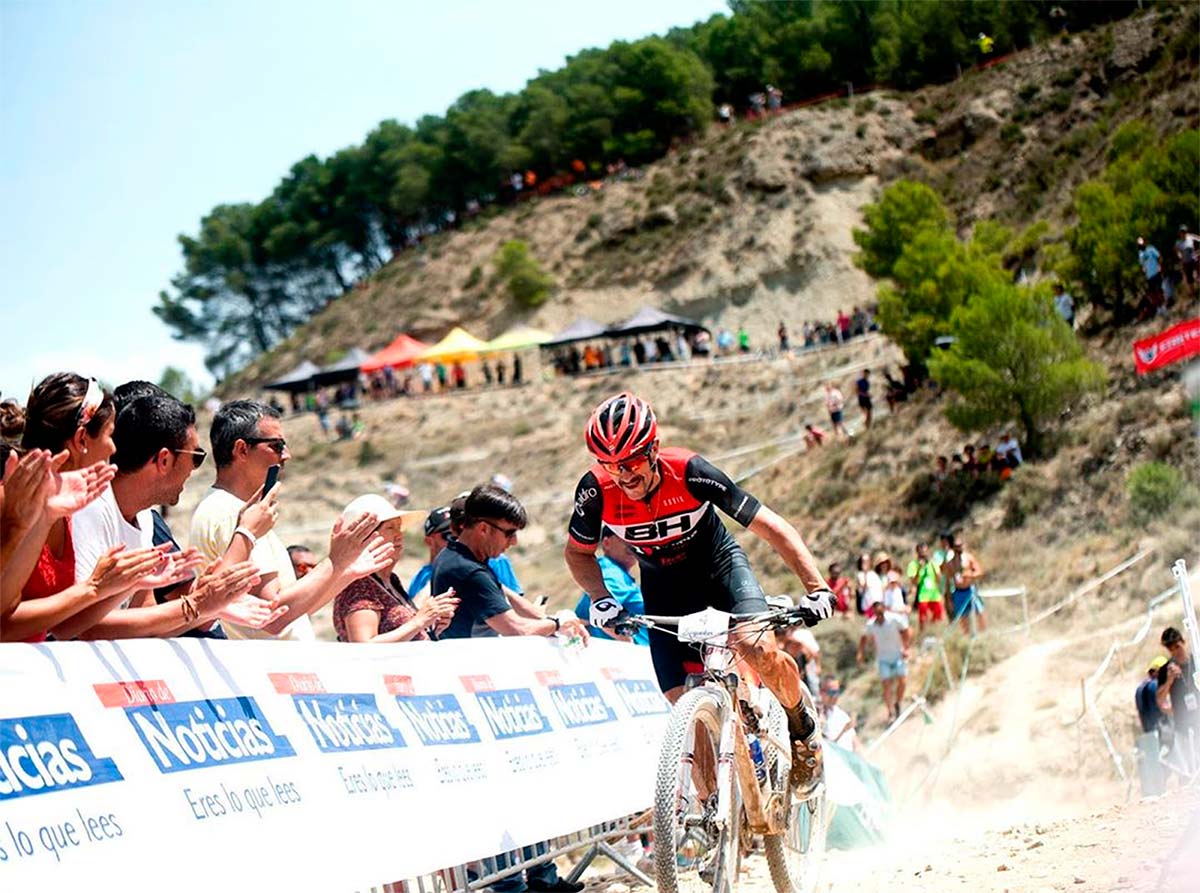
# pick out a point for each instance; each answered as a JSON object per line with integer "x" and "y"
{"x": 1157, "y": 663}
{"x": 438, "y": 520}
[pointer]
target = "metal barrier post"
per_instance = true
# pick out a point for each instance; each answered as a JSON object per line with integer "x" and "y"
{"x": 1025, "y": 608}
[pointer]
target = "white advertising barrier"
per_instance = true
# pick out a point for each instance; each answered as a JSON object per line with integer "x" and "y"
{"x": 272, "y": 765}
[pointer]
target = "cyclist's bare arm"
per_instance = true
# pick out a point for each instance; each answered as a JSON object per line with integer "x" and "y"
{"x": 787, "y": 542}
{"x": 585, "y": 570}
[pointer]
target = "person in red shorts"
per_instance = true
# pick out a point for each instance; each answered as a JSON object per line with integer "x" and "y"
{"x": 925, "y": 578}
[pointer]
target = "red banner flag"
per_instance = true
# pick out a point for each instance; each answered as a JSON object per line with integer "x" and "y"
{"x": 1177, "y": 343}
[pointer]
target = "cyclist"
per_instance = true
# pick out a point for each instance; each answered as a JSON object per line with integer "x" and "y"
{"x": 660, "y": 501}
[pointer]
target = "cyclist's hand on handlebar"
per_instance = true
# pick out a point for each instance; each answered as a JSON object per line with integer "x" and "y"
{"x": 604, "y": 611}
{"x": 816, "y": 606}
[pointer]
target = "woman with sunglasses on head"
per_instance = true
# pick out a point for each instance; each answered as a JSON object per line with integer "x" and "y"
{"x": 376, "y": 608}
{"x": 67, "y": 431}
{"x": 660, "y": 500}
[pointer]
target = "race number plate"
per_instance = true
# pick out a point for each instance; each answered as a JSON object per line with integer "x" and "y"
{"x": 704, "y": 626}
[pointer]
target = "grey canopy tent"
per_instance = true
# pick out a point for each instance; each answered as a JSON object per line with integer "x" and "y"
{"x": 651, "y": 319}
{"x": 345, "y": 369}
{"x": 298, "y": 380}
{"x": 580, "y": 330}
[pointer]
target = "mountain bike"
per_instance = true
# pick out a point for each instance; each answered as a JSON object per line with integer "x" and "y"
{"x": 723, "y": 769}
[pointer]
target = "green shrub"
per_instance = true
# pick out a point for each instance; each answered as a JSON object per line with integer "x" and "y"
{"x": 1067, "y": 78}
{"x": 475, "y": 277}
{"x": 1011, "y": 133}
{"x": 864, "y": 106}
{"x": 860, "y": 131}
{"x": 1153, "y": 488}
{"x": 594, "y": 220}
{"x": 528, "y": 284}
{"x": 1059, "y": 101}
{"x": 368, "y": 454}
{"x": 927, "y": 115}
{"x": 1028, "y": 92}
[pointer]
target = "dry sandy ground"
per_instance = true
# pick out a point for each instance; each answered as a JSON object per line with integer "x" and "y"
{"x": 1151, "y": 846}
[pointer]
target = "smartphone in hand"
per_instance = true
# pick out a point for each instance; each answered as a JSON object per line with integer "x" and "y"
{"x": 272, "y": 479}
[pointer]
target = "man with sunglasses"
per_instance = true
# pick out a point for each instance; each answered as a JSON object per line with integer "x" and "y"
{"x": 247, "y": 440}
{"x": 661, "y": 502}
{"x": 491, "y": 519}
{"x": 157, "y": 451}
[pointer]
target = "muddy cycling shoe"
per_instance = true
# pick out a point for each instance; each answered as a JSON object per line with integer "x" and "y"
{"x": 805, "y": 773}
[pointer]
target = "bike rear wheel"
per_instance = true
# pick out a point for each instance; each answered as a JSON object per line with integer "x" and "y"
{"x": 685, "y": 836}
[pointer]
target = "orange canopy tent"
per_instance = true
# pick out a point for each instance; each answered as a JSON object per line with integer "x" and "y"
{"x": 401, "y": 352}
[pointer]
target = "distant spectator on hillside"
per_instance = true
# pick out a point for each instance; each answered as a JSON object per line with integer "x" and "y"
{"x": 925, "y": 578}
{"x": 743, "y": 338}
{"x": 724, "y": 342}
{"x": 1151, "y": 263}
{"x": 1146, "y": 696}
{"x": 835, "y": 403}
{"x": 1186, "y": 248}
{"x": 425, "y": 370}
{"x": 941, "y": 469}
{"x": 439, "y": 369}
{"x": 813, "y": 436}
{"x": 1010, "y": 449}
{"x": 838, "y": 726}
{"x": 890, "y": 636}
{"x": 774, "y": 99}
{"x": 1064, "y": 304}
{"x": 617, "y": 562}
{"x": 725, "y": 113}
{"x": 782, "y": 333}
{"x": 1177, "y": 695}
{"x": 986, "y": 44}
{"x": 863, "y": 387}
{"x": 517, "y": 377}
{"x": 459, "y": 375}
{"x": 960, "y": 575}
{"x": 842, "y": 588}
{"x": 843, "y": 327}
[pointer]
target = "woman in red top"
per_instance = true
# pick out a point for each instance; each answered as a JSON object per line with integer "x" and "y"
{"x": 376, "y": 608}
{"x": 69, "y": 414}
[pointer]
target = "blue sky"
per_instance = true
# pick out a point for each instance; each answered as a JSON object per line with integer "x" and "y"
{"x": 122, "y": 123}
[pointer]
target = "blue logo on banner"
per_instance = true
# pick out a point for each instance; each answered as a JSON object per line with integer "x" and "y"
{"x": 512, "y": 713}
{"x": 642, "y": 697}
{"x": 581, "y": 704}
{"x": 42, "y": 754}
{"x": 341, "y": 722}
{"x": 438, "y": 719}
{"x": 197, "y": 734}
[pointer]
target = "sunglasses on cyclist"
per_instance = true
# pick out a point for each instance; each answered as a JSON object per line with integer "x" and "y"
{"x": 198, "y": 456}
{"x": 626, "y": 465}
{"x": 278, "y": 444}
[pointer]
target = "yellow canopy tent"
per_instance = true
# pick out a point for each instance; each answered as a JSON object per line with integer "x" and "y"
{"x": 519, "y": 338}
{"x": 458, "y": 346}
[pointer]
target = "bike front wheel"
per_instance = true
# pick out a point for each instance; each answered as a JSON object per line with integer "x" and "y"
{"x": 795, "y": 855}
{"x": 692, "y": 850}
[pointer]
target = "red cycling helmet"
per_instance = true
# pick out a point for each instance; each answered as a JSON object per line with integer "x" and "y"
{"x": 621, "y": 427}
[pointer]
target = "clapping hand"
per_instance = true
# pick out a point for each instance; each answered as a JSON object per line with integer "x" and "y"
{"x": 377, "y": 555}
{"x": 252, "y": 611}
{"x": 120, "y": 570}
{"x": 24, "y": 479}
{"x": 72, "y": 490}
{"x": 174, "y": 568}
{"x": 438, "y": 610}
{"x": 348, "y": 539}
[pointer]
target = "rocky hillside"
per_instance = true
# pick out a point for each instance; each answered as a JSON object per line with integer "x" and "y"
{"x": 753, "y": 223}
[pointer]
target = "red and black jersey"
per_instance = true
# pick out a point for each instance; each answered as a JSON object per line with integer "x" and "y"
{"x": 673, "y": 525}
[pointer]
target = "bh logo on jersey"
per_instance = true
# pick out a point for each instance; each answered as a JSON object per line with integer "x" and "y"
{"x": 661, "y": 529}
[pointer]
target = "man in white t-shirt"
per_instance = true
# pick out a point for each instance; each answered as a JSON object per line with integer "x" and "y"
{"x": 155, "y": 437}
{"x": 247, "y": 439}
{"x": 880, "y": 588}
{"x": 891, "y": 637}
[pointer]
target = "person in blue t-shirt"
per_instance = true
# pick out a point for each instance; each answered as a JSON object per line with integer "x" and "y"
{"x": 1146, "y": 696}
{"x": 437, "y": 534}
{"x": 617, "y": 564}
{"x": 1151, "y": 263}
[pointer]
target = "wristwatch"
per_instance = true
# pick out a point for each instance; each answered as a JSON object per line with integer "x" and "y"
{"x": 557, "y": 623}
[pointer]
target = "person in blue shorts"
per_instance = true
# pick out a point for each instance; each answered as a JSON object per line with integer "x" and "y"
{"x": 960, "y": 575}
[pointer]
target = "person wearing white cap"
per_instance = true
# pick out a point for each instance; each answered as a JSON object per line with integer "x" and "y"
{"x": 376, "y": 608}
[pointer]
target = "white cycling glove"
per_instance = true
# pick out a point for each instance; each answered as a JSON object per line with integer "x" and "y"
{"x": 816, "y": 606}
{"x": 604, "y": 612}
